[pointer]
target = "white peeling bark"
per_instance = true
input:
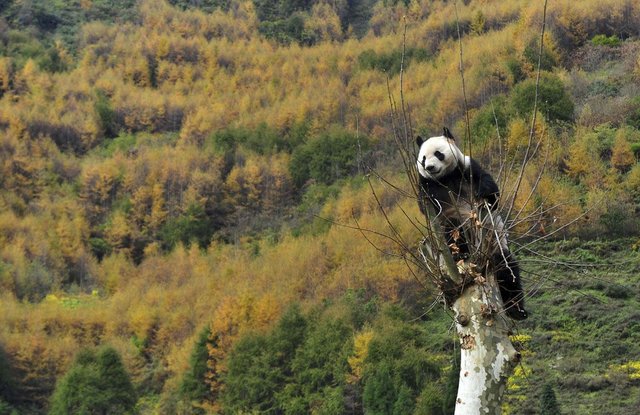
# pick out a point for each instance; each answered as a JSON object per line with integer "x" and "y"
{"x": 487, "y": 356}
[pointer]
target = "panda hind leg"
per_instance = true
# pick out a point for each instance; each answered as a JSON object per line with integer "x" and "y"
{"x": 508, "y": 276}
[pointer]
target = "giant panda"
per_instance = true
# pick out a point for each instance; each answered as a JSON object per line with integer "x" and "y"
{"x": 453, "y": 183}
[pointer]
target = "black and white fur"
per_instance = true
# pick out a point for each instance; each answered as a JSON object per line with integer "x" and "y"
{"x": 452, "y": 182}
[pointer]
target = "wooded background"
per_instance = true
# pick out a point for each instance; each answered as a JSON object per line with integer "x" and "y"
{"x": 172, "y": 172}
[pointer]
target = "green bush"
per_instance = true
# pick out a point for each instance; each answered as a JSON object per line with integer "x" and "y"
{"x": 38, "y": 281}
{"x": 380, "y": 393}
{"x": 390, "y": 62}
{"x": 451, "y": 387}
{"x": 259, "y": 366}
{"x": 288, "y": 30}
{"x": 204, "y": 5}
{"x": 602, "y": 139}
{"x": 553, "y": 100}
{"x": 398, "y": 367}
{"x": 289, "y": 334}
{"x": 99, "y": 247}
{"x": 617, "y": 291}
{"x": 607, "y": 88}
{"x": 96, "y": 383}
{"x": 193, "y": 226}
{"x": 119, "y": 144}
{"x": 490, "y": 116}
{"x": 548, "y": 401}
{"x": 50, "y": 61}
{"x": 633, "y": 118}
{"x": 617, "y": 222}
{"x": 284, "y": 20}
{"x": 604, "y": 40}
{"x": 547, "y": 59}
{"x": 300, "y": 367}
{"x": 330, "y": 157}
{"x": 320, "y": 366}
{"x": 53, "y": 20}
{"x": 430, "y": 402}
{"x": 106, "y": 114}
{"x": 514, "y": 66}
{"x": 261, "y": 140}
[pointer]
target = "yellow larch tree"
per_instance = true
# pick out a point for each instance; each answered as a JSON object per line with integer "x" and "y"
{"x": 622, "y": 158}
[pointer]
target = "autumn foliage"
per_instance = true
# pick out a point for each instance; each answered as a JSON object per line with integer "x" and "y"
{"x": 172, "y": 173}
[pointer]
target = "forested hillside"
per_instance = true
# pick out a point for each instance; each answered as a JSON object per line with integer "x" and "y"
{"x": 174, "y": 176}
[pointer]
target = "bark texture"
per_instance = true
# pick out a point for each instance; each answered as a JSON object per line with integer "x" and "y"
{"x": 487, "y": 355}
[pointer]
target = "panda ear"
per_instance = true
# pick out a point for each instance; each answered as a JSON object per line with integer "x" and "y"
{"x": 448, "y": 134}
{"x": 419, "y": 140}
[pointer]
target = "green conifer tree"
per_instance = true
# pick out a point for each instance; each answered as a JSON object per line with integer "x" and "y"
{"x": 379, "y": 391}
{"x": 97, "y": 383}
{"x": 194, "y": 387}
{"x": 548, "y": 403}
{"x": 404, "y": 403}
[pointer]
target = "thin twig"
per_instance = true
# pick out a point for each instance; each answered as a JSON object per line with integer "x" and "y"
{"x": 464, "y": 91}
{"x": 535, "y": 107}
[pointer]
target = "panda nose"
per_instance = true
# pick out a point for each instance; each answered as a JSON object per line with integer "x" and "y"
{"x": 430, "y": 168}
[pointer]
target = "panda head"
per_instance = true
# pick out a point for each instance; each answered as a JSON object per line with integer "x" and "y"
{"x": 440, "y": 156}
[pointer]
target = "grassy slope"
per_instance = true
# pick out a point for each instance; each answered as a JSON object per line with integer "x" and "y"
{"x": 584, "y": 324}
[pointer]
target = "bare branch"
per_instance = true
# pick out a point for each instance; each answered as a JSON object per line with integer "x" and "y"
{"x": 535, "y": 108}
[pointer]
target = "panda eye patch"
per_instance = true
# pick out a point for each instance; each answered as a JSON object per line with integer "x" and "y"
{"x": 439, "y": 155}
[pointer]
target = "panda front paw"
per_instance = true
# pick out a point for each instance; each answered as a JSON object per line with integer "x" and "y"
{"x": 487, "y": 194}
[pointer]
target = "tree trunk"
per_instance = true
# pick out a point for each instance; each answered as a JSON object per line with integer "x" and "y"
{"x": 487, "y": 356}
